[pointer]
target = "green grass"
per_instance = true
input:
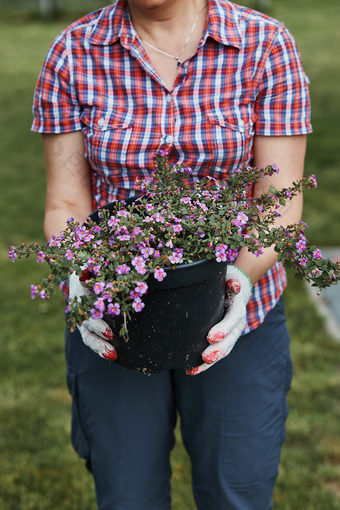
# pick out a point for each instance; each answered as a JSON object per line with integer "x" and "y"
{"x": 39, "y": 470}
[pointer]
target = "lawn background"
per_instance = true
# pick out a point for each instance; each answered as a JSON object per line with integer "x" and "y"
{"x": 39, "y": 470}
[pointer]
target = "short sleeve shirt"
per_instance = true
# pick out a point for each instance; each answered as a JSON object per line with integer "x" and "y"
{"x": 245, "y": 79}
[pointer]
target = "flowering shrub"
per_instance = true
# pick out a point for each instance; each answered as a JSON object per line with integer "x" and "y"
{"x": 177, "y": 219}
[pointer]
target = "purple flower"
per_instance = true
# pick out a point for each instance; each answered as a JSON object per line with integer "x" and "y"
{"x": 88, "y": 237}
{"x": 147, "y": 252}
{"x": 77, "y": 244}
{"x": 141, "y": 288}
{"x": 133, "y": 294}
{"x": 241, "y": 219}
{"x": 173, "y": 259}
{"x": 221, "y": 247}
{"x": 163, "y": 152}
{"x": 156, "y": 254}
{"x": 289, "y": 193}
{"x": 34, "y": 291}
{"x": 113, "y": 222}
{"x": 317, "y": 254}
{"x": 220, "y": 256}
{"x": 12, "y": 254}
{"x": 140, "y": 268}
{"x": 107, "y": 296}
{"x": 136, "y": 231}
{"x": 124, "y": 237}
{"x": 169, "y": 244}
{"x": 185, "y": 200}
{"x": 149, "y": 207}
{"x": 54, "y": 242}
{"x": 177, "y": 228}
{"x": 158, "y": 218}
{"x": 90, "y": 262}
{"x": 69, "y": 254}
{"x": 232, "y": 255}
{"x": 113, "y": 309}
{"x": 96, "y": 314}
{"x": 138, "y": 305}
{"x": 42, "y": 294}
{"x": 331, "y": 275}
{"x": 202, "y": 206}
{"x": 136, "y": 261}
{"x": 159, "y": 274}
{"x": 123, "y": 213}
{"x": 301, "y": 246}
{"x": 99, "y": 304}
{"x": 98, "y": 287}
{"x": 258, "y": 252}
{"x": 40, "y": 256}
{"x": 122, "y": 269}
{"x": 315, "y": 272}
{"x": 303, "y": 261}
{"x": 69, "y": 220}
{"x": 312, "y": 180}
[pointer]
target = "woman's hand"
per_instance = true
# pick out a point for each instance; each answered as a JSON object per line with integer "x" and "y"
{"x": 94, "y": 332}
{"x": 224, "y": 335}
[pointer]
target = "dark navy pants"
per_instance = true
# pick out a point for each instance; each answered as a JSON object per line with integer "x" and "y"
{"x": 232, "y": 422}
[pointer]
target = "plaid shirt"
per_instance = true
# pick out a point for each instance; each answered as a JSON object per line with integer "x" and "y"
{"x": 245, "y": 79}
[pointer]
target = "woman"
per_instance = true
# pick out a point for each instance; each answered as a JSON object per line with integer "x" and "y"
{"x": 217, "y": 85}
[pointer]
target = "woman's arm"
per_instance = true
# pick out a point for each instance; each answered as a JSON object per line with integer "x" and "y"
{"x": 68, "y": 191}
{"x": 69, "y": 195}
{"x": 288, "y": 153}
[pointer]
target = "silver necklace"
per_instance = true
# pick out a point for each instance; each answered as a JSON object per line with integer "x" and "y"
{"x": 176, "y": 57}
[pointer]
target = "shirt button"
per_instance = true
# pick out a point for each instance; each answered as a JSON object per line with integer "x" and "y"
{"x": 101, "y": 122}
{"x": 169, "y": 139}
{"x": 168, "y": 98}
{"x": 241, "y": 125}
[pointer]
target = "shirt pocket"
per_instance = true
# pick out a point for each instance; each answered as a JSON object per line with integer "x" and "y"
{"x": 107, "y": 138}
{"x": 230, "y": 138}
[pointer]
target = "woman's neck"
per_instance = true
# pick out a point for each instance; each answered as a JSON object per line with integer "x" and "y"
{"x": 156, "y": 19}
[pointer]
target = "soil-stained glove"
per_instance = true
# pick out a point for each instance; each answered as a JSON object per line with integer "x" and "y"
{"x": 93, "y": 331}
{"x": 223, "y": 336}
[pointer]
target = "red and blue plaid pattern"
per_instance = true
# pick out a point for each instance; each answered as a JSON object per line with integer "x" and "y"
{"x": 245, "y": 79}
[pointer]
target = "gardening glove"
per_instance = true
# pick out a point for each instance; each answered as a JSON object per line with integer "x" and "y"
{"x": 94, "y": 332}
{"x": 223, "y": 336}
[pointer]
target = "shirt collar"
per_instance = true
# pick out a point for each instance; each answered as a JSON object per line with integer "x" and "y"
{"x": 223, "y": 25}
{"x": 114, "y": 23}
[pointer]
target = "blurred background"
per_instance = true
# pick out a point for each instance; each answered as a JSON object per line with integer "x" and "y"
{"x": 39, "y": 469}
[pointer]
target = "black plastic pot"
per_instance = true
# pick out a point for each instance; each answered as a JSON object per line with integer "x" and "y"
{"x": 170, "y": 332}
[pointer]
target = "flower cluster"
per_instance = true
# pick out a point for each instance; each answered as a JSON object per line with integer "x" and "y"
{"x": 177, "y": 219}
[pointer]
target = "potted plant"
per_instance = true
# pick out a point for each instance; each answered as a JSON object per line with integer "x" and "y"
{"x": 165, "y": 253}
